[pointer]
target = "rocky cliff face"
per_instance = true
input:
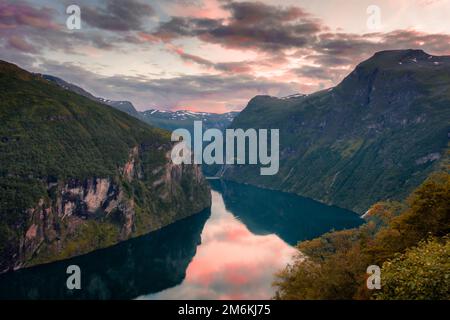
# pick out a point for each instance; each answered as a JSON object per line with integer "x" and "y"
{"x": 80, "y": 216}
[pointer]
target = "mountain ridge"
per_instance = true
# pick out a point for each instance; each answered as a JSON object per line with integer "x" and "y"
{"x": 375, "y": 136}
{"x": 169, "y": 120}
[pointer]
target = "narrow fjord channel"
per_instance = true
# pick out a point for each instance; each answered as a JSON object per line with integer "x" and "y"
{"x": 231, "y": 251}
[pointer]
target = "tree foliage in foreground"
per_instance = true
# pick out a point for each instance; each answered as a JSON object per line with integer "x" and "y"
{"x": 420, "y": 273}
{"x": 334, "y": 265}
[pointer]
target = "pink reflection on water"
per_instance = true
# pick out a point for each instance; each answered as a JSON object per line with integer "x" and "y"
{"x": 231, "y": 262}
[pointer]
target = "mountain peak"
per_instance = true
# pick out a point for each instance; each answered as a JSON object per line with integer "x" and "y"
{"x": 402, "y": 58}
{"x": 413, "y": 53}
{"x": 383, "y": 67}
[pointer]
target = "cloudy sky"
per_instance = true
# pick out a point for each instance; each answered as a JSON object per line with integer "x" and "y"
{"x": 213, "y": 55}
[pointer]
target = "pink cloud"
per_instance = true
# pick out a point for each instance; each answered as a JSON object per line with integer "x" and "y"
{"x": 21, "y": 44}
{"x": 146, "y": 37}
{"x": 211, "y": 9}
{"x": 13, "y": 15}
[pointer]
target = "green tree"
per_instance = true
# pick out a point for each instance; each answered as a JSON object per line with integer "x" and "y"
{"x": 420, "y": 273}
{"x": 334, "y": 265}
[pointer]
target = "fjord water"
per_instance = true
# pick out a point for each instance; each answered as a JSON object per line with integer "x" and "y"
{"x": 229, "y": 251}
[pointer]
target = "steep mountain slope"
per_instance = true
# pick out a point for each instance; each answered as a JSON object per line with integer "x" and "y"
{"x": 76, "y": 175}
{"x": 124, "y": 106}
{"x": 375, "y": 136}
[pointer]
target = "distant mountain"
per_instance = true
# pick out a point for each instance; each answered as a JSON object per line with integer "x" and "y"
{"x": 172, "y": 120}
{"x": 124, "y": 106}
{"x": 77, "y": 175}
{"x": 169, "y": 120}
{"x": 375, "y": 136}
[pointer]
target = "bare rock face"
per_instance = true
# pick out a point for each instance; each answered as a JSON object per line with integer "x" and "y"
{"x": 128, "y": 170}
{"x": 85, "y": 215}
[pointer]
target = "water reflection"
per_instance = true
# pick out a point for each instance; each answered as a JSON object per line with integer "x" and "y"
{"x": 139, "y": 266}
{"x": 232, "y": 262}
{"x": 291, "y": 217}
{"x": 229, "y": 252}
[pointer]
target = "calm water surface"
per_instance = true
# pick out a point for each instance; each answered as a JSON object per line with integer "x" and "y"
{"x": 228, "y": 252}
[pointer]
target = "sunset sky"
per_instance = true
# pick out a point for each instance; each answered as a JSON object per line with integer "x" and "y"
{"x": 212, "y": 55}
